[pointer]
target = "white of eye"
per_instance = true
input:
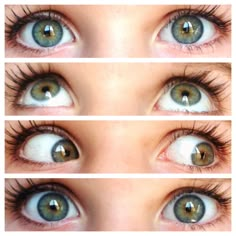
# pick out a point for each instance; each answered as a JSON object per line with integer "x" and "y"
{"x": 39, "y": 147}
{"x": 208, "y": 32}
{"x": 166, "y": 103}
{"x": 61, "y": 99}
{"x": 25, "y": 36}
{"x": 211, "y": 208}
{"x": 181, "y": 149}
{"x": 29, "y": 209}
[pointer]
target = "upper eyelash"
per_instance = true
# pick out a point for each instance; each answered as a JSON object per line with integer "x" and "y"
{"x": 208, "y": 12}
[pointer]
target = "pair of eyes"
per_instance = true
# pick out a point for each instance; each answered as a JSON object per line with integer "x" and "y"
{"x": 186, "y": 150}
{"x": 52, "y": 91}
{"x": 55, "y": 207}
{"x": 50, "y": 30}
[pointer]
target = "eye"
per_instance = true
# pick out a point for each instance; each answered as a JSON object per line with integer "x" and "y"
{"x": 41, "y": 30}
{"x": 185, "y": 97}
{"x": 49, "y": 206}
{"x": 191, "y": 150}
{"x": 188, "y": 29}
{"x": 191, "y": 208}
{"x": 49, "y": 148}
{"x": 46, "y": 92}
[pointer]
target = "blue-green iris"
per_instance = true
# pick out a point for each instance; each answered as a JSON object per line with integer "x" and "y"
{"x": 47, "y": 33}
{"x": 53, "y": 207}
{"x": 64, "y": 150}
{"x": 203, "y": 154}
{"x": 45, "y": 89}
{"x": 189, "y": 209}
{"x": 185, "y": 94}
{"x": 187, "y": 29}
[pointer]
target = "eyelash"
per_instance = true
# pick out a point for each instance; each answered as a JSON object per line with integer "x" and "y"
{"x": 221, "y": 143}
{"x": 17, "y": 195}
{"x": 15, "y": 25}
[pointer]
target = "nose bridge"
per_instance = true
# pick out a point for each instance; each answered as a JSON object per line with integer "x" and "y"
{"x": 110, "y": 38}
{"x": 112, "y": 149}
{"x": 116, "y": 207}
{"x": 110, "y": 94}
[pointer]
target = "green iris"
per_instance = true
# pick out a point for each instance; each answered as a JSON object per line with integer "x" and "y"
{"x": 185, "y": 94}
{"x": 47, "y": 33}
{"x": 203, "y": 155}
{"x": 53, "y": 207}
{"x": 187, "y": 29}
{"x": 64, "y": 150}
{"x": 189, "y": 209}
{"x": 45, "y": 89}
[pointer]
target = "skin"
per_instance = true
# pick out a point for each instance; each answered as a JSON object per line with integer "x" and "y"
{"x": 124, "y": 205}
{"x": 122, "y": 31}
{"x": 121, "y": 147}
{"x": 122, "y": 88}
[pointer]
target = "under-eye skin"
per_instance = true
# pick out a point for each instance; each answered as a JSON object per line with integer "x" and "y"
{"x": 41, "y": 144}
{"x": 43, "y": 31}
{"x": 196, "y": 207}
{"x": 43, "y": 206}
{"x": 37, "y": 88}
{"x": 193, "y": 93}
{"x": 195, "y": 28}
{"x": 198, "y": 149}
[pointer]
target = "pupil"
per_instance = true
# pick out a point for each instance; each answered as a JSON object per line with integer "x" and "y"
{"x": 54, "y": 205}
{"x": 48, "y": 31}
{"x": 45, "y": 89}
{"x": 188, "y": 207}
{"x": 203, "y": 155}
{"x": 67, "y": 153}
{"x": 185, "y": 94}
{"x": 187, "y": 26}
